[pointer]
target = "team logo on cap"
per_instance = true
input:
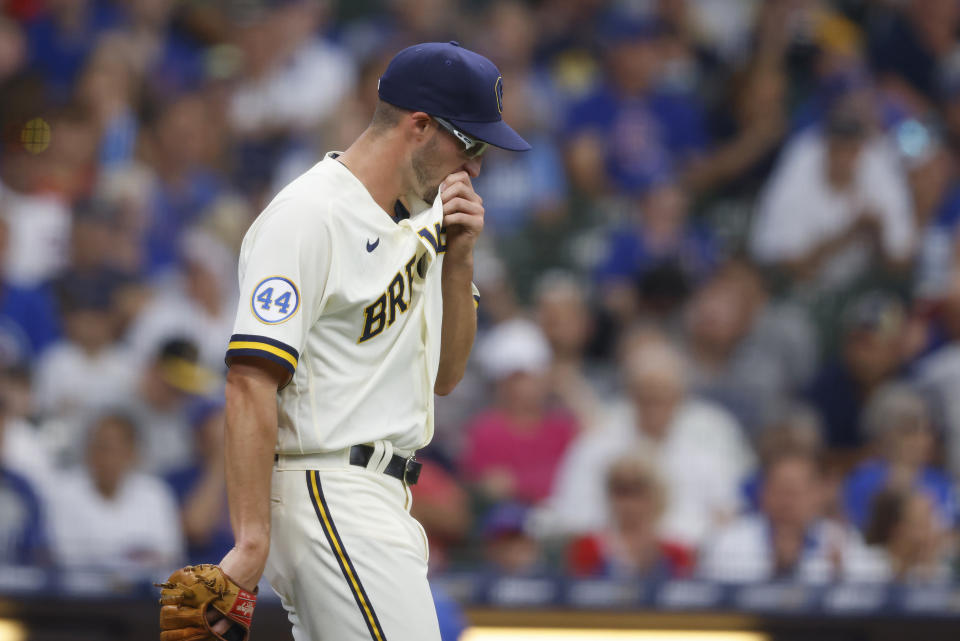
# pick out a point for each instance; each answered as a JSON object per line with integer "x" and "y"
{"x": 498, "y": 89}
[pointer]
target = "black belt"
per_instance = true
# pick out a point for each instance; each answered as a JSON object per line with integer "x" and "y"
{"x": 404, "y": 469}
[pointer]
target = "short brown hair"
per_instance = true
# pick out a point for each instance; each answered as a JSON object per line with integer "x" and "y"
{"x": 386, "y": 116}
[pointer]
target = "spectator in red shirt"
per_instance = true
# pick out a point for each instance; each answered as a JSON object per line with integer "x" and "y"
{"x": 513, "y": 449}
{"x": 631, "y": 547}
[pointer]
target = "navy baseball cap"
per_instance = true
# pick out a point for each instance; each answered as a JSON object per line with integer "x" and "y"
{"x": 443, "y": 79}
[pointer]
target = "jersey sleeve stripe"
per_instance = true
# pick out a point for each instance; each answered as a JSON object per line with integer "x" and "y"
{"x": 251, "y": 348}
{"x": 254, "y": 338}
{"x": 261, "y": 353}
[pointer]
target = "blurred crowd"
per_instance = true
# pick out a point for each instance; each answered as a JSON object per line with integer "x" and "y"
{"x": 720, "y": 306}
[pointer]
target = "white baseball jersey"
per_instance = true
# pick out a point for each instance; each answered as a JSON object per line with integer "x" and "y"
{"x": 349, "y": 301}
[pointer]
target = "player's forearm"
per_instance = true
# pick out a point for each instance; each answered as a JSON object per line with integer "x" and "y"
{"x": 251, "y": 434}
{"x": 459, "y": 323}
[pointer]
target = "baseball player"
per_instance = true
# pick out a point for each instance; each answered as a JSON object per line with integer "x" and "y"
{"x": 356, "y": 307}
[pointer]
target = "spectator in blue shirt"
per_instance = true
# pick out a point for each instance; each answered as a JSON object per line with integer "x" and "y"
{"x": 898, "y": 423}
{"x": 21, "y": 531}
{"x": 200, "y": 487}
{"x": 33, "y": 310}
{"x": 656, "y": 257}
{"x": 630, "y": 130}
{"x": 61, "y": 39}
{"x": 185, "y": 186}
{"x": 911, "y": 48}
{"x": 873, "y": 327}
{"x": 659, "y": 232}
{"x": 168, "y": 58}
{"x": 22, "y": 535}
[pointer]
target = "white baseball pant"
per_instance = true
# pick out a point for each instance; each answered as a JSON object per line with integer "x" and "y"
{"x": 346, "y": 558}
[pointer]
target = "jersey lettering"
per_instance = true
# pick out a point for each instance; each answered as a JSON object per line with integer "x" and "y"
{"x": 441, "y": 238}
{"x": 383, "y": 312}
{"x": 374, "y": 318}
{"x": 395, "y": 290}
{"x": 283, "y": 302}
{"x": 409, "y": 269}
{"x": 437, "y": 238}
{"x": 266, "y": 297}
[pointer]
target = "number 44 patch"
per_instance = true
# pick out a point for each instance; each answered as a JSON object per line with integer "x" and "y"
{"x": 274, "y": 300}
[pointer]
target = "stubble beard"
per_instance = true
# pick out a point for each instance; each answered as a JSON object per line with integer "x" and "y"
{"x": 425, "y": 170}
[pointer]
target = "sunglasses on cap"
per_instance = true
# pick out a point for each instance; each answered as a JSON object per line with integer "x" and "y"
{"x": 473, "y": 148}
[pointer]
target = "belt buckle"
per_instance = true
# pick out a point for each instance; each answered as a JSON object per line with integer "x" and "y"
{"x": 411, "y": 470}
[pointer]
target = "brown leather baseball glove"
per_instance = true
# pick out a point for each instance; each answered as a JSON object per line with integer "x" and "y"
{"x": 189, "y": 593}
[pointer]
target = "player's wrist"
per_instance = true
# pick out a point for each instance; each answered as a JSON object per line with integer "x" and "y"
{"x": 249, "y": 556}
{"x": 459, "y": 260}
{"x": 254, "y": 546}
{"x": 243, "y": 567}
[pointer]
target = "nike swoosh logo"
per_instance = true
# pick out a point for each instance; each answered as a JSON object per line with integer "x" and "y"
{"x": 372, "y": 246}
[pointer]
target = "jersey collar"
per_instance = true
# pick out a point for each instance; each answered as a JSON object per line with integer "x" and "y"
{"x": 421, "y": 211}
